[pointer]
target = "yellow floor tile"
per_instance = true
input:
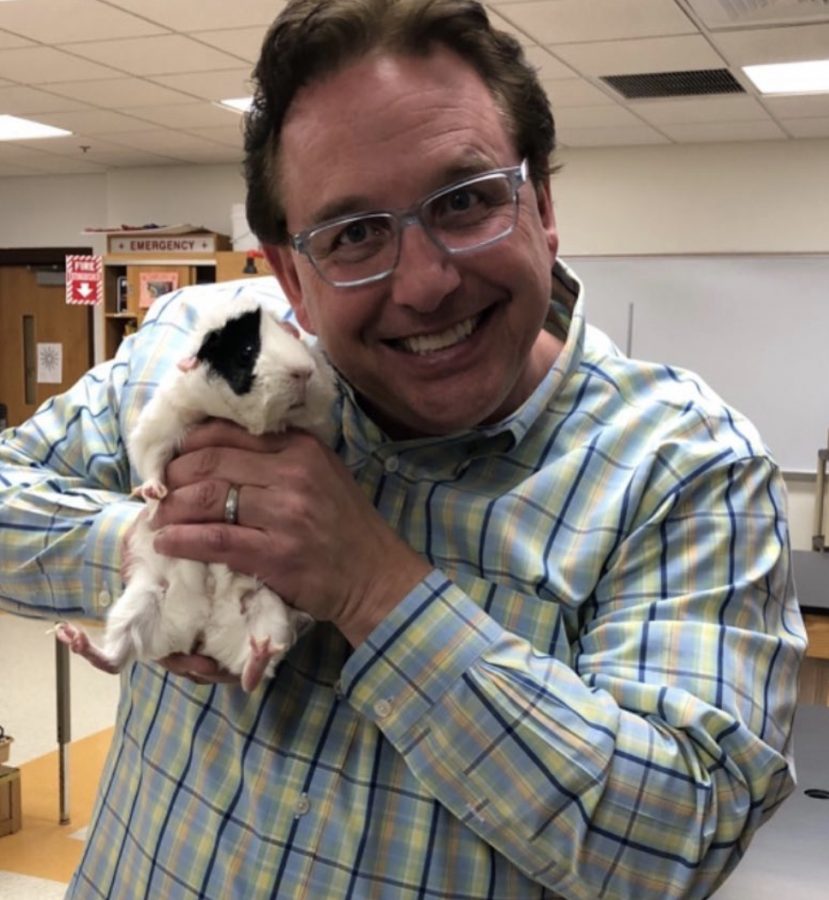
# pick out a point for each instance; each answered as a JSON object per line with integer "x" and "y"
{"x": 44, "y": 848}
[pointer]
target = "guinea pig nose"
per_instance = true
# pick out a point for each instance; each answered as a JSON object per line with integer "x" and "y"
{"x": 299, "y": 380}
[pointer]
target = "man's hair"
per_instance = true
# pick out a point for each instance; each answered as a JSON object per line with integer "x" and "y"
{"x": 314, "y": 38}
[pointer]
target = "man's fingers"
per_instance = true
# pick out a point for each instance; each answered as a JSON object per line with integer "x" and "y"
{"x": 203, "y": 501}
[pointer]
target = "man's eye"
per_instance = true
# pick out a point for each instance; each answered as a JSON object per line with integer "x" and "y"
{"x": 354, "y": 240}
{"x": 460, "y": 200}
{"x": 353, "y": 233}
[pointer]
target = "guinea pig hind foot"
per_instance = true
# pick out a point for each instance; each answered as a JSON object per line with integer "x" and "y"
{"x": 78, "y": 642}
{"x": 151, "y": 489}
{"x": 262, "y": 653}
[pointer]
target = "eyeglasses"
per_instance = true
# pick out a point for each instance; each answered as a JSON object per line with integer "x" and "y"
{"x": 461, "y": 218}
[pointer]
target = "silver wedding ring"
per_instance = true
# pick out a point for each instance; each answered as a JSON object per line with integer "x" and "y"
{"x": 232, "y": 506}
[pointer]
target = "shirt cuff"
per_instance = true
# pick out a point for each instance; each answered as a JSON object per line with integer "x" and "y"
{"x": 101, "y": 575}
{"x": 416, "y": 654}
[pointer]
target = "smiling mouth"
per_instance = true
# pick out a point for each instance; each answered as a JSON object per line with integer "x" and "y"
{"x": 423, "y": 344}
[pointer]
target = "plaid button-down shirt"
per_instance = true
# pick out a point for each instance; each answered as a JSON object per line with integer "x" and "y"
{"x": 591, "y": 695}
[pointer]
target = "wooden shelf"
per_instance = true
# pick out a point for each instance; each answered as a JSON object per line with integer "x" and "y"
{"x": 185, "y": 268}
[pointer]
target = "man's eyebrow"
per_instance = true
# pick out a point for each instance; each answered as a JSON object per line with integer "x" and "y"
{"x": 357, "y": 204}
{"x": 342, "y": 206}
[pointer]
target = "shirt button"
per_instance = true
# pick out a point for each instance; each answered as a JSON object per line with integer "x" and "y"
{"x": 392, "y": 464}
{"x": 382, "y": 708}
{"x": 303, "y": 805}
{"x": 104, "y": 599}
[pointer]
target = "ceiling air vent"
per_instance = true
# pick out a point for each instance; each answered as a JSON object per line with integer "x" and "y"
{"x": 716, "y": 14}
{"x": 695, "y": 83}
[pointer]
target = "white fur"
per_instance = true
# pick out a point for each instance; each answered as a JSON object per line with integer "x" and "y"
{"x": 175, "y": 605}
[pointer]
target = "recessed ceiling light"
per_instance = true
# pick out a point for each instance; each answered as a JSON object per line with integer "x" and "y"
{"x": 14, "y": 129}
{"x": 810, "y": 77}
{"x": 239, "y": 104}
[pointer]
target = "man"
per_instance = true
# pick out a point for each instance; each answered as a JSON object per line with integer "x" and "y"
{"x": 557, "y": 642}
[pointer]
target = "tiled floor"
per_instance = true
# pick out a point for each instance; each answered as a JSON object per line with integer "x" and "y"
{"x": 37, "y": 861}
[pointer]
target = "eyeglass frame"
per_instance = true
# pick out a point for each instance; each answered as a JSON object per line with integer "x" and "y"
{"x": 517, "y": 176}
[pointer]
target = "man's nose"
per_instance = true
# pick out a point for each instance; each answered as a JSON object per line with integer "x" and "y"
{"x": 425, "y": 273}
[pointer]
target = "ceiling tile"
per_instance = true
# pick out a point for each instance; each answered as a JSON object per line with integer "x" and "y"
{"x": 229, "y": 135}
{"x": 209, "y": 153}
{"x": 700, "y": 109}
{"x": 707, "y": 132}
{"x": 546, "y": 65}
{"x": 611, "y": 137}
{"x": 12, "y": 152}
{"x": 93, "y": 121}
{"x": 10, "y": 170}
{"x": 808, "y": 128}
{"x": 188, "y": 115}
{"x": 210, "y": 85}
{"x": 595, "y": 117}
{"x": 575, "y": 92}
{"x": 42, "y": 65}
{"x": 242, "y": 42}
{"x": 8, "y": 40}
{"x": 666, "y": 54}
{"x": 120, "y": 93}
{"x": 502, "y": 24}
{"x": 104, "y": 152}
{"x": 751, "y": 13}
{"x": 156, "y": 55}
{"x": 565, "y": 22}
{"x": 186, "y": 15}
{"x": 18, "y": 100}
{"x": 35, "y": 156}
{"x": 762, "y": 45}
{"x": 166, "y": 142}
{"x": 157, "y": 67}
{"x": 802, "y": 106}
{"x": 65, "y": 21}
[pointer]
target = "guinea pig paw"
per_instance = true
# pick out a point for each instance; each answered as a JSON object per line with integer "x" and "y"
{"x": 76, "y": 639}
{"x": 152, "y": 489}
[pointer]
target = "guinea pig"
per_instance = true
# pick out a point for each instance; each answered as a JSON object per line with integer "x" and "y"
{"x": 250, "y": 368}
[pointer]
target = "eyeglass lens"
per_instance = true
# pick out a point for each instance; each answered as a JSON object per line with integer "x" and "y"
{"x": 461, "y": 218}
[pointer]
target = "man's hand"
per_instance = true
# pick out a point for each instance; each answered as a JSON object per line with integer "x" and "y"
{"x": 305, "y": 528}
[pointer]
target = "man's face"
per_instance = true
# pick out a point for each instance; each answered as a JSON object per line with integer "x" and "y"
{"x": 382, "y": 134}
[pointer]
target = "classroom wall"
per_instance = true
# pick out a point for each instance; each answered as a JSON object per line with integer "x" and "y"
{"x": 763, "y": 197}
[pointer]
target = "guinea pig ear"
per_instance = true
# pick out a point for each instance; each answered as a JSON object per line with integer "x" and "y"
{"x": 187, "y": 364}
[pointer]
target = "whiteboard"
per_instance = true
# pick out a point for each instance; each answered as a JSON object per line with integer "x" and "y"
{"x": 756, "y": 328}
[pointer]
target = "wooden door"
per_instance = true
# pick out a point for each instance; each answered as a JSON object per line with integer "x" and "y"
{"x": 45, "y": 344}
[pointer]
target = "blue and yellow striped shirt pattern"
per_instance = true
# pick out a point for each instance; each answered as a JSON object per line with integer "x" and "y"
{"x": 590, "y": 696}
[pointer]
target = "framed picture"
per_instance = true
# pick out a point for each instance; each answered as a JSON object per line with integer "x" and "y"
{"x": 153, "y": 285}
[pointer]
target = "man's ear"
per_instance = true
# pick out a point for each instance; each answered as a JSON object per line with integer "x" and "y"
{"x": 283, "y": 263}
{"x": 544, "y": 200}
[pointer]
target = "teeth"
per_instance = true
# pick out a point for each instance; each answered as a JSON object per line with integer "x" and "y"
{"x": 430, "y": 343}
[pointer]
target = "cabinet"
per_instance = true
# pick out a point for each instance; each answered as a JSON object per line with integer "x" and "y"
{"x": 132, "y": 282}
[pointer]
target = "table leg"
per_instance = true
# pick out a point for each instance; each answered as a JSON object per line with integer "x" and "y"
{"x": 64, "y": 726}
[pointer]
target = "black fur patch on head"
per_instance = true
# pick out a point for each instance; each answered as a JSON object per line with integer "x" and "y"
{"x": 232, "y": 350}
